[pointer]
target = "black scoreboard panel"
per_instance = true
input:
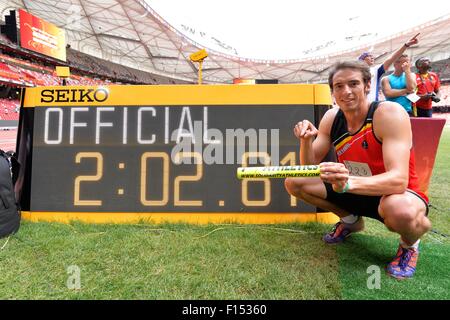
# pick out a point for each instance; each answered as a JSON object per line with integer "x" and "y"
{"x": 125, "y": 158}
{"x": 123, "y": 153}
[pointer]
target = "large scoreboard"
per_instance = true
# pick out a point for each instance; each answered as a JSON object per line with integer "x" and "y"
{"x": 162, "y": 153}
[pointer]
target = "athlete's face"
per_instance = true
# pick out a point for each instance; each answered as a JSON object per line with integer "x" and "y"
{"x": 349, "y": 89}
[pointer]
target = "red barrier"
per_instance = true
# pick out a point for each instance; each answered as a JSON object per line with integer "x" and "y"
{"x": 426, "y": 135}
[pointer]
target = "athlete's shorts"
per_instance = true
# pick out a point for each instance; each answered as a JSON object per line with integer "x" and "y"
{"x": 359, "y": 205}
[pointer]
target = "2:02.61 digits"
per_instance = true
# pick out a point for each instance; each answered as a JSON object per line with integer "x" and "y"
{"x": 87, "y": 180}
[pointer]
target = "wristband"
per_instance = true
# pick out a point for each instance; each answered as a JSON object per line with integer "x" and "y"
{"x": 407, "y": 45}
{"x": 346, "y": 187}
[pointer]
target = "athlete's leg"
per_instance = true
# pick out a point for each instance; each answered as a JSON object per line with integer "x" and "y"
{"x": 312, "y": 191}
{"x": 405, "y": 214}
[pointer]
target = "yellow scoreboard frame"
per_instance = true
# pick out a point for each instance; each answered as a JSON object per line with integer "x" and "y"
{"x": 118, "y": 153}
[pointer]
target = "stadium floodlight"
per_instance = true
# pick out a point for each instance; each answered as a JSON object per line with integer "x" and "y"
{"x": 64, "y": 73}
{"x": 199, "y": 56}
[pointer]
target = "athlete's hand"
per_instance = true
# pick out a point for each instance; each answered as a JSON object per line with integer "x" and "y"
{"x": 334, "y": 173}
{"x": 305, "y": 130}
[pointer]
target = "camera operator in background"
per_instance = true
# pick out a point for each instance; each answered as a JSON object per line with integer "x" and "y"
{"x": 428, "y": 85}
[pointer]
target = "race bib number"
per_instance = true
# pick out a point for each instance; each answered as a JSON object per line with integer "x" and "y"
{"x": 359, "y": 169}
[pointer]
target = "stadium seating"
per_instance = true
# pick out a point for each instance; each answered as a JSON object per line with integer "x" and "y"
{"x": 442, "y": 69}
{"x": 24, "y": 70}
{"x": 443, "y": 105}
{"x": 9, "y": 109}
{"x": 9, "y": 72}
{"x": 101, "y": 67}
{"x": 21, "y": 72}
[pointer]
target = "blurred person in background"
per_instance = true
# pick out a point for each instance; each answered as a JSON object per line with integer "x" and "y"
{"x": 377, "y": 70}
{"x": 428, "y": 85}
{"x": 398, "y": 85}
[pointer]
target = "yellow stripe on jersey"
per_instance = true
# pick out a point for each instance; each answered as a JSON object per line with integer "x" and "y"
{"x": 343, "y": 142}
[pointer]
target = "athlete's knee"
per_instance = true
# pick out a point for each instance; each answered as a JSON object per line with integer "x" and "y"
{"x": 294, "y": 187}
{"x": 398, "y": 211}
{"x": 290, "y": 185}
{"x": 424, "y": 223}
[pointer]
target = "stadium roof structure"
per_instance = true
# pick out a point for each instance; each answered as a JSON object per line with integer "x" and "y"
{"x": 131, "y": 33}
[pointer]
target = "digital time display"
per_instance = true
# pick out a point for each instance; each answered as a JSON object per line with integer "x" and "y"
{"x": 110, "y": 157}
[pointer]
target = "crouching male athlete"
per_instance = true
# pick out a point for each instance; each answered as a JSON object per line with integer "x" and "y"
{"x": 374, "y": 175}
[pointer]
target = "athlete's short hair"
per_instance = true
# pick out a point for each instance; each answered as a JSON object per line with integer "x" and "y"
{"x": 350, "y": 64}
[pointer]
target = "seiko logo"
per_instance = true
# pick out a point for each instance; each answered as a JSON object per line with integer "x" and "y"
{"x": 74, "y": 95}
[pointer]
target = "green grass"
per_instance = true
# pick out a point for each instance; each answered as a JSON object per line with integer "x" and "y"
{"x": 439, "y": 186}
{"x": 180, "y": 261}
{"x": 431, "y": 281}
{"x": 168, "y": 262}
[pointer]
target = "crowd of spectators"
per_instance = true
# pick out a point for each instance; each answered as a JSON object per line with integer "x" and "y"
{"x": 105, "y": 68}
{"x": 9, "y": 109}
{"x": 82, "y": 65}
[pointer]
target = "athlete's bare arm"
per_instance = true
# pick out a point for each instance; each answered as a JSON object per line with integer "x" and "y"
{"x": 315, "y": 143}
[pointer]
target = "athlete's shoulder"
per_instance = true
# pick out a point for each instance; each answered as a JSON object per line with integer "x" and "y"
{"x": 331, "y": 113}
{"x": 389, "y": 107}
{"x": 390, "y": 112}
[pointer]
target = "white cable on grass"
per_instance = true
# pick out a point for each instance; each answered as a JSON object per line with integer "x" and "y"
{"x": 4, "y": 245}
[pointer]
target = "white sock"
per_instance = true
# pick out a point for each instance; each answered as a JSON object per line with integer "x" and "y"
{"x": 406, "y": 246}
{"x": 350, "y": 219}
